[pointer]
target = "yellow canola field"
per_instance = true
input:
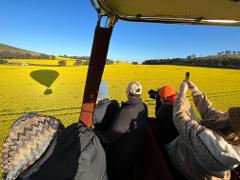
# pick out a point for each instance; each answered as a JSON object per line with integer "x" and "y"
{"x": 69, "y": 62}
{"x": 22, "y": 88}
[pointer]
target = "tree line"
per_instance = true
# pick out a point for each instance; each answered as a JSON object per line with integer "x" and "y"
{"x": 227, "y": 59}
{"x": 83, "y": 60}
{"x": 80, "y": 60}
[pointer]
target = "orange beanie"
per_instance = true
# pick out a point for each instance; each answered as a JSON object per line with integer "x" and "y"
{"x": 166, "y": 92}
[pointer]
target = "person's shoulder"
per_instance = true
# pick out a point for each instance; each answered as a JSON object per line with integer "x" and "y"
{"x": 114, "y": 101}
{"x": 77, "y": 128}
{"x": 141, "y": 106}
{"x": 114, "y": 104}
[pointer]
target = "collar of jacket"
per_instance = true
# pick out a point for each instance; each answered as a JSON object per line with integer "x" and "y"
{"x": 133, "y": 101}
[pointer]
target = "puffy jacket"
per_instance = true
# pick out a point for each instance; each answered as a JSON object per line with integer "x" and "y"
{"x": 198, "y": 152}
{"x": 74, "y": 154}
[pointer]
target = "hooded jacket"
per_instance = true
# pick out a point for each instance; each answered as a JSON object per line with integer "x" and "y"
{"x": 74, "y": 154}
{"x": 198, "y": 152}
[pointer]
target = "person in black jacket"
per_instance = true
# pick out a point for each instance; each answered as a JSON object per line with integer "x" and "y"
{"x": 105, "y": 109}
{"x": 164, "y": 115}
{"x": 39, "y": 147}
{"x": 167, "y": 130}
{"x": 125, "y": 136}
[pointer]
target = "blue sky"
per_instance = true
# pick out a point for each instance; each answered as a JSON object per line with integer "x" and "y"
{"x": 67, "y": 26}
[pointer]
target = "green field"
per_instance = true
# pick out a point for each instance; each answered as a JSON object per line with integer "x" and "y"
{"x": 23, "y": 88}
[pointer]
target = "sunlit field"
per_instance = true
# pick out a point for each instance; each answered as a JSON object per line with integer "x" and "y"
{"x": 70, "y": 62}
{"x": 58, "y": 91}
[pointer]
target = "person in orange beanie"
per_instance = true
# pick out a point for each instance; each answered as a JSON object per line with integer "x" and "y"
{"x": 167, "y": 131}
{"x": 167, "y": 95}
{"x": 164, "y": 114}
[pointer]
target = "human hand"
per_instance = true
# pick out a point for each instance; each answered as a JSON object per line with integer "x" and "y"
{"x": 183, "y": 88}
{"x": 192, "y": 86}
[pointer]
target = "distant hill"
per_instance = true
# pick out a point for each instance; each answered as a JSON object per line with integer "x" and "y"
{"x": 4, "y": 47}
{"x": 9, "y": 52}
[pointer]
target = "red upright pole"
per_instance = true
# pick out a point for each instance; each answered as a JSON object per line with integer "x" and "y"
{"x": 95, "y": 70}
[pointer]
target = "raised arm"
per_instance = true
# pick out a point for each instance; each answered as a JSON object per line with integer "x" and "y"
{"x": 183, "y": 116}
{"x": 203, "y": 105}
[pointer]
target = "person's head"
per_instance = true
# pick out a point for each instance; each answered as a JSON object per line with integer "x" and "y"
{"x": 167, "y": 95}
{"x": 103, "y": 91}
{"x": 28, "y": 139}
{"x": 134, "y": 90}
{"x": 228, "y": 125}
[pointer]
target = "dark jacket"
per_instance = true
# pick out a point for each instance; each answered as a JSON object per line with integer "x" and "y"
{"x": 104, "y": 114}
{"x": 75, "y": 153}
{"x": 125, "y": 138}
{"x": 158, "y": 104}
{"x": 168, "y": 131}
